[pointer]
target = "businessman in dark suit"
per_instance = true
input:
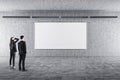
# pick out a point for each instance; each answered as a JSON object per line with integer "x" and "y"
{"x": 22, "y": 53}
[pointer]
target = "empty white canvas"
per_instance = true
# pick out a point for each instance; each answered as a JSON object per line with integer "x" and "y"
{"x": 64, "y": 35}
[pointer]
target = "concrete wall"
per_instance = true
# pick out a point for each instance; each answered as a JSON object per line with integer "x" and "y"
{"x": 103, "y": 35}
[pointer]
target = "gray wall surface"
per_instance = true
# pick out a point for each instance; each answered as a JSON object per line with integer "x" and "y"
{"x": 8, "y": 5}
{"x": 103, "y": 34}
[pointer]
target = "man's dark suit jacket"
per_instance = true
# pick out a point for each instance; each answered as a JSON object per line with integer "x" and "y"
{"x": 22, "y": 47}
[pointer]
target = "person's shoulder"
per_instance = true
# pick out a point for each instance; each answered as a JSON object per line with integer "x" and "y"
{"x": 23, "y": 42}
{"x": 19, "y": 42}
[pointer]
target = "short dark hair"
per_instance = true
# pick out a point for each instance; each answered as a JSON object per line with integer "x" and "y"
{"x": 21, "y": 37}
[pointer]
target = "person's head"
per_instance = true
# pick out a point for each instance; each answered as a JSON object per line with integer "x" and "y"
{"x": 11, "y": 41}
{"x": 21, "y": 37}
{"x": 12, "y": 38}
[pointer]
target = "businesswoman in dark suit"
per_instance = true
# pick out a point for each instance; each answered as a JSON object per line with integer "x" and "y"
{"x": 13, "y": 50}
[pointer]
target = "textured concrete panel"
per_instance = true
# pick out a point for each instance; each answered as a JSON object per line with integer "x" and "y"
{"x": 103, "y": 35}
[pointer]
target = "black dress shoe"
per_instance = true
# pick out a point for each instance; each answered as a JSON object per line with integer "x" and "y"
{"x": 19, "y": 69}
{"x": 24, "y": 70}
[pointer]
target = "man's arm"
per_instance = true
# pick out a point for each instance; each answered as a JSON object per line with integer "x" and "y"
{"x": 18, "y": 46}
{"x": 25, "y": 48}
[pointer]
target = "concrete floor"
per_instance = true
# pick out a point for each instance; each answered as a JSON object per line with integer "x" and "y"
{"x": 63, "y": 68}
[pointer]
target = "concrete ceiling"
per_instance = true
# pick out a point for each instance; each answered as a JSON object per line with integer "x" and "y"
{"x": 9, "y": 5}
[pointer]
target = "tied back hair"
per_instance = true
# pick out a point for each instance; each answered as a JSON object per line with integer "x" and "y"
{"x": 11, "y": 43}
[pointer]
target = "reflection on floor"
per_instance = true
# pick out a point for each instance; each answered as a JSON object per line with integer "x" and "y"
{"x": 63, "y": 68}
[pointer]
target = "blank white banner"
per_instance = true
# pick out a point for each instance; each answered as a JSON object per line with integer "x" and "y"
{"x": 62, "y": 35}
